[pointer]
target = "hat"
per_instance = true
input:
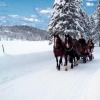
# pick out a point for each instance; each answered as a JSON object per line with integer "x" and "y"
{"x": 81, "y": 35}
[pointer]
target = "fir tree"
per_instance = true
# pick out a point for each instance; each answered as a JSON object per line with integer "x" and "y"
{"x": 66, "y": 17}
{"x": 85, "y": 23}
{"x": 96, "y": 30}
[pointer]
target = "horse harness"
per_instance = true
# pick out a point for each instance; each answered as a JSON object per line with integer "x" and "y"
{"x": 69, "y": 49}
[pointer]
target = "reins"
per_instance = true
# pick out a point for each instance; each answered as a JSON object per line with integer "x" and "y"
{"x": 69, "y": 49}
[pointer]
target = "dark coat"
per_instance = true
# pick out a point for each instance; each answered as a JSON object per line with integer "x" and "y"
{"x": 82, "y": 42}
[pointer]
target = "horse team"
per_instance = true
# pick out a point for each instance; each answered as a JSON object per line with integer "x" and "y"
{"x": 71, "y": 51}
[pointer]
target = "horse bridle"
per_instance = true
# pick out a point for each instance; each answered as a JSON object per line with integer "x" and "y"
{"x": 55, "y": 42}
{"x": 69, "y": 49}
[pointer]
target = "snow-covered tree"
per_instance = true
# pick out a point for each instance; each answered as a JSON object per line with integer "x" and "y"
{"x": 92, "y": 21}
{"x": 65, "y": 17}
{"x": 85, "y": 23}
{"x": 96, "y": 29}
{"x": 92, "y": 24}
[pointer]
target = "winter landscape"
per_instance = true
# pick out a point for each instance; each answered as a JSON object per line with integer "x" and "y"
{"x": 28, "y": 68}
{"x": 27, "y": 74}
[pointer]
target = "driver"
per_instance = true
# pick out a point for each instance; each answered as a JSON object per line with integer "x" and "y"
{"x": 82, "y": 41}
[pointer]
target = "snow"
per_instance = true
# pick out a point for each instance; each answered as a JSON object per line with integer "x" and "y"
{"x": 57, "y": 1}
{"x": 28, "y": 72}
{"x": 18, "y": 47}
{"x": 20, "y": 55}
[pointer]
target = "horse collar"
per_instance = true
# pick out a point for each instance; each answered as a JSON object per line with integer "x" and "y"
{"x": 69, "y": 49}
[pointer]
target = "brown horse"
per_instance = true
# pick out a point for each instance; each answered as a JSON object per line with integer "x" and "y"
{"x": 70, "y": 51}
{"x": 90, "y": 46}
{"x": 82, "y": 51}
{"x": 58, "y": 50}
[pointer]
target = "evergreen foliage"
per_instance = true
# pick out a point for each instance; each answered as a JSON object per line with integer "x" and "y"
{"x": 69, "y": 17}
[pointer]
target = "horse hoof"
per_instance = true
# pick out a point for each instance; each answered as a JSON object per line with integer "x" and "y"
{"x": 75, "y": 65}
{"x": 61, "y": 64}
{"x": 58, "y": 68}
{"x": 66, "y": 69}
{"x": 71, "y": 67}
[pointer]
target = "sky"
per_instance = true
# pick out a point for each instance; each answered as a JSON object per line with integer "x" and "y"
{"x": 35, "y": 13}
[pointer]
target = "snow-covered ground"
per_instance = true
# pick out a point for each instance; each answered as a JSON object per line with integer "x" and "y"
{"x": 21, "y": 58}
{"x": 28, "y": 72}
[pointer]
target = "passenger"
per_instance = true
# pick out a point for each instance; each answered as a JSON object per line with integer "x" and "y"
{"x": 82, "y": 41}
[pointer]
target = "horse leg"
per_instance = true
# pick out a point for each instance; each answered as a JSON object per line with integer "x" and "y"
{"x": 57, "y": 63}
{"x": 71, "y": 61}
{"x": 60, "y": 61}
{"x": 65, "y": 62}
{"x": 77, "y": 59}
{"x": 74, "y": 61}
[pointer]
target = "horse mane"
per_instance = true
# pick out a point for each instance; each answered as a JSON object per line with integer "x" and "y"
{"x": 69, "y": 38}
{"x": 59, "y": 39}
{"x": 90, "y": 40}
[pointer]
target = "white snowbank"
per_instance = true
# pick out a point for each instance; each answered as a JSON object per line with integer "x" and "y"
{"x": 24, "y": 47}
{"x": 33, "y": 76}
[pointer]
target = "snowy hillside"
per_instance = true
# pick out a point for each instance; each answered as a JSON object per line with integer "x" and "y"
{"x": 22, "y": 32}
{"x": 28, "y": 72}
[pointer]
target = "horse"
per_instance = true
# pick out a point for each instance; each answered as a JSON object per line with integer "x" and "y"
{"x": 81, "y": 51}
{"x": 58, "y": 50}
{"x": 90, "y": 45}
{"x": 69, "y": 51}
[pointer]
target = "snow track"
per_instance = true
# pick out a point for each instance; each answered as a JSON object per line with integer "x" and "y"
{"x": 38, "y": 79}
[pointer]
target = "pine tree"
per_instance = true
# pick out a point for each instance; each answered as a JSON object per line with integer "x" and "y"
{"x": 96, "y": 30}
{"x": 85, "y": 23}
{"x": 66, "y": 17}
{"x": 92, "y": 22}
{"x": 92, "y": 25}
